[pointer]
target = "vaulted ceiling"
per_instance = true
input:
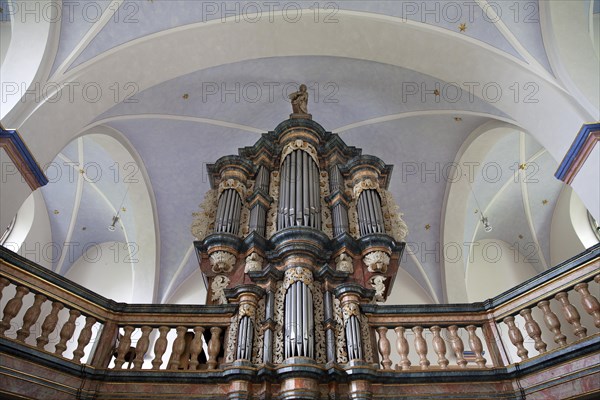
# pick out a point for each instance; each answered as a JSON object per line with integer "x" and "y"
{"x": 414, "y": 83}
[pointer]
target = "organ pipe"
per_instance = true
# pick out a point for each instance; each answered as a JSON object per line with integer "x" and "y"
{"x": 370, "y": 215}
{"x": 229, "y": 210}
{"x": 299, "y": 321}
{"x": 299, "y": 192}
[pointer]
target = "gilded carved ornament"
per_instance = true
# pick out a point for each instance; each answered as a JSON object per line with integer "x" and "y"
{"x": 394, "y": 224}
{"x": 348, "y": 310}
{"x": 254, "y": 262}
{"x": 377, "y": 282}
{"x": 247, "y": 310}
{"x": 222, "y": 261}
{"x": 203, "y": 223}
{"x": 365, "y": 184}
{"x": 293, "y": 275}
{"x": 299, "y": 144}
{"x": 343, "y": 263}
{"x": 377, "y": 261}
{"x": 235, "y": 185}
{"x": 217, "y": 287}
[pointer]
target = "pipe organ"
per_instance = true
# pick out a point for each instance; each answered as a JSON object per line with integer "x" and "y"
{"x": 301, "y": 232}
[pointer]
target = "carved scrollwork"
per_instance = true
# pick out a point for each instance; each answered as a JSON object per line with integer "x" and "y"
{"x": 365, "y": 334}
{"x": 378, "y": 283}
{"x": 340, "y": 335}
{"x": 344, "y": 263}
{"x": 297, "y": 274}
{"x": 394, "y": 224}
{"x": 364, "y": 185}
{"x": 327, "y": 224}
{"x": 222, "y": 261}
{"x": 254, "y": 262}
{"x": 217, "y": 287}
{"x": 318, "y": 310}
{"x": 279, "y": 307}
{"x": 272, "y": 212}
{"x": 235, "y": 185}
{"x": 377, "y": 261}
{"x": 204, "y": 221}
{"x": 230, "y": 349}
{"x": 259, "y": 334}
{"x": 353, "y": 220}
{"x": 244, "y": 222}
{"x": 299, "y": 145}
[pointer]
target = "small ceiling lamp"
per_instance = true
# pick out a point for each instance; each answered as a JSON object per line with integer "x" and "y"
{"x": 116, "y": 218}
{"x": 484, "y": 220}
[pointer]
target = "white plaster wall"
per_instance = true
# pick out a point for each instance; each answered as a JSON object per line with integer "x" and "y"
{"x": 494, "y": 268}
{"x": 101, "y": 272}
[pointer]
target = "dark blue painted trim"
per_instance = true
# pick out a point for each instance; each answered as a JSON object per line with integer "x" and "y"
{"x": 575, "y": 149}
{"x": 13, "y": 136}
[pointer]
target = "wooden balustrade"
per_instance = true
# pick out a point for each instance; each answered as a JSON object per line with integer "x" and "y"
{"x": 189, "y": 349}
{"x": 530, "y": 309}
{"x": 51, "y": 314}
{"x": 552, "y": 310}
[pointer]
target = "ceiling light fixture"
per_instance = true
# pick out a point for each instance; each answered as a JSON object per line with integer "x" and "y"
{"x": 116, "y": 218}
{"x": 486, "y": 224}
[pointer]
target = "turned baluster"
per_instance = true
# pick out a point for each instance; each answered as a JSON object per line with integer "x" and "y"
{"x": 552, "y": 323}
{"x": 457, "y": 346}
{"x": 384, "y": 347}
{"x": 12, "y": 308}
{"x": 571, "y": 314}
{"x": 160, "y": 347}
{"x": 142, "y": 347}
{"x": 533, "y": 330}
{"x": 516, "y": 337}
{"x": 476, "y": 346}
{"x": 196, "y": 348}
{"x": 3, "y": 283}
{"x": 84, "y": 338}
{"x": 214, "y": 345}
{"x": 30, "y": 317}
{"x": 49, "y": 325}
{"x": 402, "y": 347}
{"x": 66, "y": 332}
{"x": 178, "y": 347}
{"x": 590, "y": 303}
{"x": 439, "y": 346}
{"x": 421, "y": 347}
{"x": 124, "y": 346}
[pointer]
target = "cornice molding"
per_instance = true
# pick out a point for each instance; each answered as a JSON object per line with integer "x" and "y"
{"x": 584, "y": 143}
{"x": 19, "y": 153}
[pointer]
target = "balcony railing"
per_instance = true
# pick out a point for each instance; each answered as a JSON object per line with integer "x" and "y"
{"x": 542, "y": 323}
